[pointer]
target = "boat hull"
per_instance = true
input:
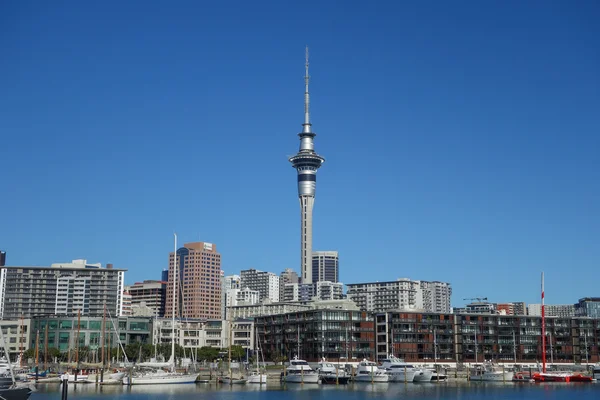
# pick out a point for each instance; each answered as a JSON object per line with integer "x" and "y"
{"x": 301, "y": 378}
{"x": 15, "y": 394}
{"x": 375, "y": 378}
{"x": 400, "y": 376}
{"x": 234, "y": 381}
{"x": 493, "y": 377}
{"x": 258, "y": 378}
{"x": 159, "y": 380}
{"x": 423, "y": 376}
{"x": 334, "y": 380}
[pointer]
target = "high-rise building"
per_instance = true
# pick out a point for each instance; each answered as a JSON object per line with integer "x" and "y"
{"x": 230, "y": 286}
{"x": 199, "y": 283}
{"x": 2, "y": 258}
{"x": 436, "y": 296}
{"x": 325, "y": 290}
{"x": 588, "y": 307}
{"x": 151, "y": 293}
{"x": 266, "y": 283}
{"x": 287, "y": 276}
{"x": 401, "y": 294}
{"x": 325, "y": 266}
{"x": 126, "y": 304}
{"x": 61, "y": 289}
{"x": 306, "y": 162}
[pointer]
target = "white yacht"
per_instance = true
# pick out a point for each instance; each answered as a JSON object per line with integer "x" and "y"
{"x": 398, "y": 370}
{"x": 330, "y": 374}
{"x": 300, "y": 372}
{"x": 596, "y": 372}
{"x": 423, "y": 375}
{"x": 257, "y": 377}
{"x": 368, "y": 371}
{"x": 489, "y": 372}
{"x": 158, "y": 377}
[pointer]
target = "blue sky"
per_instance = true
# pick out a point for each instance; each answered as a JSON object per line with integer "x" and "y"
{"x": 461, "y": 138}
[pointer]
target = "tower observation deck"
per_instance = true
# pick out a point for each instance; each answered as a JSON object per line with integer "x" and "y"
{"x": 306, "y": 162}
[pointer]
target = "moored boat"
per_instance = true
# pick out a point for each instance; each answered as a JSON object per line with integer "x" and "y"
{"x": 399, "y": 371}
{"x": 489, "y": 372}
{"x": 330, "y": 374}
{"x": 300, "y": 372}
{"x": 233, "y": 381}
{"x": 368, "y": 371}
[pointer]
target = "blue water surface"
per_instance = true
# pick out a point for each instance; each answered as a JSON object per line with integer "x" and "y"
{"x": 425, "y": 391}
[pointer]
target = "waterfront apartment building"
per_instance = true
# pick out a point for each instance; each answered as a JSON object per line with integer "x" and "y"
{"x": 401, "y": 294}
{"x": 325, "y": 266}
{"x": 198, "y": 284}
{"x": 61, "y": 289}
{"x": 16, "y": 335}
{"x": 313, "y": 334}
{"x": 151, "y": 293}
{"x": 266, "y": 283}
{"x": 64, "y": 332}
{"x": 552, "y": 310}
{"x": 201, "y": 333}
{"x": 470, "y": 338}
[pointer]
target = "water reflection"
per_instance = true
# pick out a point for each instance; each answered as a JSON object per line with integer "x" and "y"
{"x": 355, "y": 391}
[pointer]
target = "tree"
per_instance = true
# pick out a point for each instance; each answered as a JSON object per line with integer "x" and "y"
{"x": 237, "y": 352}
{"x": 208, "y": 353}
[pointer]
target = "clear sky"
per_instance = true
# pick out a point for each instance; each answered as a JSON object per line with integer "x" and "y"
{"x": 461, "y": 138}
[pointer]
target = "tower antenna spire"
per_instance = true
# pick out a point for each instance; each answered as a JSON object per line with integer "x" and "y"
{"x": 306, "y": 123}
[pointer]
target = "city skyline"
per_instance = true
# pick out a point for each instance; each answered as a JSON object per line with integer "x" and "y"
{"x": 460, "y": 140}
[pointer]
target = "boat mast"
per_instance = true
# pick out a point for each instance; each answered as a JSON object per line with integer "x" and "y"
{"x": 175, "y": 277}
{"x": 476, "y": 341}
{"x": 298, "y": 341}
{"x": 102, "y": 336}
{"x": 257, "y": 353}
{"x": 230, "y": 339}
{"x": 514, "y": 347}
{"x": 434, "y": 347}
{"x": 37, "y": 348}
{"x": 543, "y": 329}
{"x": 77, "y": 339}
{"x": 46, "y": 348}
{"x": 21, "y": 345}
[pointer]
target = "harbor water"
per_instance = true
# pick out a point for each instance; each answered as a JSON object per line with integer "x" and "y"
{"x": 443, "y": 391}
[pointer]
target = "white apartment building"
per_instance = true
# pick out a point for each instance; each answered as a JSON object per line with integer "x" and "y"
{"x": 61, "y": 289}
{"x": 326, "y": 290}
{"x": 401, "y": 294}
{"x": 436, "y": 296}
{"x": 266, "y": 283}
{"x": 552, "y": 310}
{"x": 247, "y": 296}
{"x": 201, "y": 333}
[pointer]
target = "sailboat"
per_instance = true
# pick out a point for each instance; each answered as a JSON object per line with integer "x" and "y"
{"x": 160, "y": 376}
{"x": 257, "y": 377}
{"x": 230, "y": 380}
{"x": 11, "y": 391}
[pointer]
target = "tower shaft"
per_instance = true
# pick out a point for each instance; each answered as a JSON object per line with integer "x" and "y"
{"x": 306, "y": 162}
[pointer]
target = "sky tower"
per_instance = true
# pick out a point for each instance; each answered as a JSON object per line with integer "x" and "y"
{"x": 306, "y": 162}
